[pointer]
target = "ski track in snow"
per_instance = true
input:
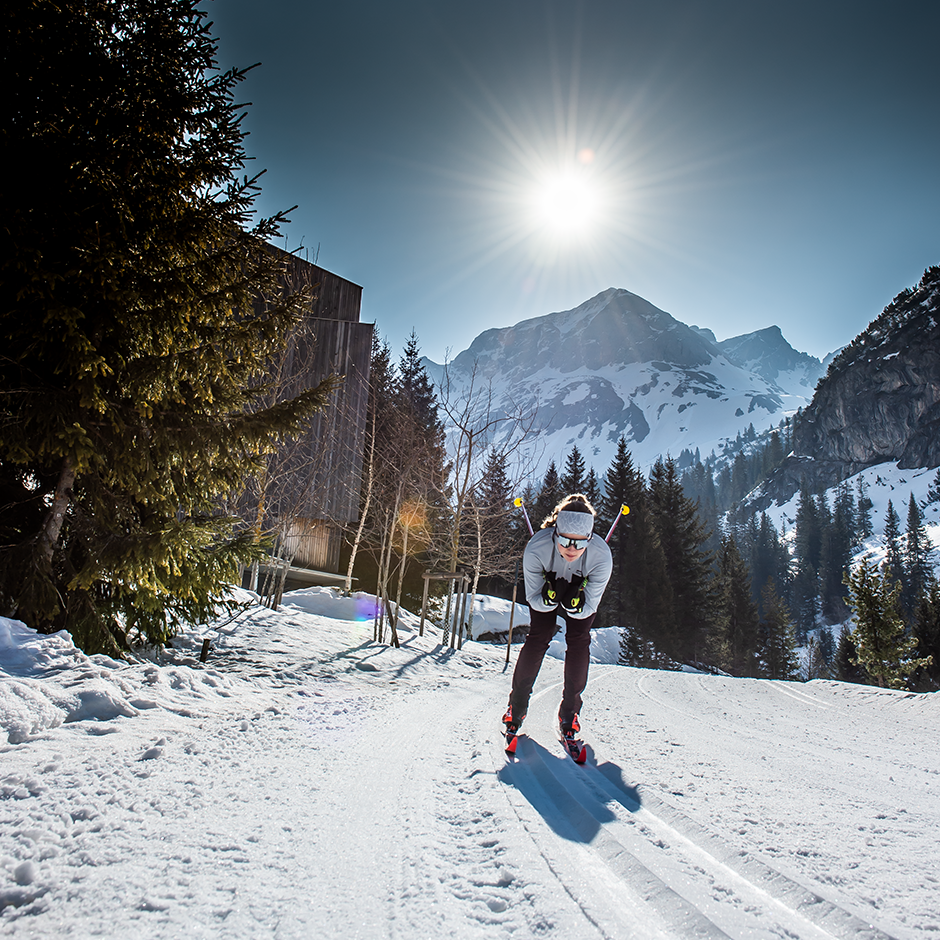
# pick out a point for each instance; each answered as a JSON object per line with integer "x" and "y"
{"x": 308, "y": 782}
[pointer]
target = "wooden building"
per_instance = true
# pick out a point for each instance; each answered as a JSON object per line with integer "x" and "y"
{"x": 312, "y": 487}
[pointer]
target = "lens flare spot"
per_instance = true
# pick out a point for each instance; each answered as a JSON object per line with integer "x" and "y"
{"x": 413, "y": 514}
{"x": 365, "y": 607}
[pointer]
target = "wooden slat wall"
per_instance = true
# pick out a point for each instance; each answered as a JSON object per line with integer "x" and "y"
{"x": 313, "y": 543}
{"x": 336, "y": 298}
{"x": 318, "y": 478}
{"x": 336, "y": 436}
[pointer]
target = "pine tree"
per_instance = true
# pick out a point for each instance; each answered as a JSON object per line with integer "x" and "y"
{"x": 836, "y": 555}
{"x": 573, "y": 480}
{"x": 804, "y": 593}
{"x": 620, "y": 486}
{"x": 736, "y": 621}
{"x": 417, "y": 477}
{"x": 927, "y": 633}
{"x": 417, "y": 392}
{"x": 379, "y": 456}
{"x": 863, "y": 523}
{"x": 933, "y": 491}
{"x": 494, "y": 501}
{"x": 846, "y": 664}
{"x": 688, "y": 565}
{"x": 776, "y": 652}
{"x": 637, "y": 597}
{"x": 894, "y": 557}
{"x": 883, "y": 650}
{"x": 390, "y": 459}
{"x": 140, "y": 315}
{"x": 549, "y": 496}
{"x": 847, "y": 512}
{"x": 592, "y": 488}
{"x": 739, "y": 477}
{"x": 917, "y": 551}
{"x": 773, "y": 454}
{"x": 827, "y": 648}
{"x": 768, "y": 559}
{"x": 817, "y": 666}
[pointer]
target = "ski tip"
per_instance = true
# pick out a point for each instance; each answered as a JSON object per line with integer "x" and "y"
{"x": 511, "y": 742}
{"x": 581, "y": 756}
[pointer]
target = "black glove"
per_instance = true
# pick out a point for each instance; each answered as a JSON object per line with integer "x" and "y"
{"x": 550, "y": 591}
{"x": 571, "y": 597}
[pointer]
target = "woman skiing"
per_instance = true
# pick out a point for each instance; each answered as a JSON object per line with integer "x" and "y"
{"x": 566, "y": 568}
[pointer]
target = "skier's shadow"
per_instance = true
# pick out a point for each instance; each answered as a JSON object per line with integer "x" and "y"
{"x": 572, "y": 800}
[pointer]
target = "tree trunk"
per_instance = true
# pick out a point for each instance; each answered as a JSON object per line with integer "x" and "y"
{"x": 370, "y": 477}
{"x": 52, "y": 525}
{"x": 401, "y": 579}
{"x": 378, "y": 632}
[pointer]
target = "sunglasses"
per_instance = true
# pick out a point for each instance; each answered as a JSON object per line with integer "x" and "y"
{"x": 565, "y": 542}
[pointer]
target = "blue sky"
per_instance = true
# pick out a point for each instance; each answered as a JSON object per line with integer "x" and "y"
{"x": 738, "y": 164}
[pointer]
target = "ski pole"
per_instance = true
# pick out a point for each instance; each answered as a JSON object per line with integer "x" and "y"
{"x": 624, "y": 509}
{"x": 519, "y": 504}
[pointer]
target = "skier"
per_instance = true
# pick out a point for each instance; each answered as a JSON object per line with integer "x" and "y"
{"x": 566, "y": 568}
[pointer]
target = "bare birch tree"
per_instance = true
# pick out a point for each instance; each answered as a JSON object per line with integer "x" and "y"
{"x": 477, "y": 427}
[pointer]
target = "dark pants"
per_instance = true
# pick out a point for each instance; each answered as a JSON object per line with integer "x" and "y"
{"x": 577, "y": 659}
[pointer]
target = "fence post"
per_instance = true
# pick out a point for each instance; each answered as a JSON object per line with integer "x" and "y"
{"x": 424, "y": 602}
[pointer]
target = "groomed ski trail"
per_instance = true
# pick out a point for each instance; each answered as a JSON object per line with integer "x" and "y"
{"x": 636, "y": 867}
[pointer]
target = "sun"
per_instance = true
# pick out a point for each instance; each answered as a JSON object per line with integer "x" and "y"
{"x": 566, "y": 203}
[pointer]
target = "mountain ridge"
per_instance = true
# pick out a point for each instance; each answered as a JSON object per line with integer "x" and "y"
{"x": 618, "y": 365}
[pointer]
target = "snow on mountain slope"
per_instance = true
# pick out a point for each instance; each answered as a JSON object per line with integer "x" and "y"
{"x": 616, "y": 365}
{"x": 307, "y": 782}
{"x": 883, "y": 483}
{"x": 768, "y": 354}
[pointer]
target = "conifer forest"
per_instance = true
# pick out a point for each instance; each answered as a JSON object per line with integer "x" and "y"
{"x": 697, "y": 579}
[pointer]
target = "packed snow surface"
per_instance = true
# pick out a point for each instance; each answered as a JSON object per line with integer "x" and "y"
{"x": 309, "y": 782}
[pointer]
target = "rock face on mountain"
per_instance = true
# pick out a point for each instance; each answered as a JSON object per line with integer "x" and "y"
{"x": 616, "y": 365}
{"x": 766, "y": 353}
{"x": 614, "y": 328}
{"x": 879, "y": 401}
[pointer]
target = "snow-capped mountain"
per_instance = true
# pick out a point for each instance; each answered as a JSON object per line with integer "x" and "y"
{"x": 766, "y": 353}
{"x": 616, "y": 365}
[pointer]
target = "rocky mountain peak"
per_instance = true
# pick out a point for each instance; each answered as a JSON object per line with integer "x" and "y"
{"x": 767, "y": 353}
{"x": 617, "y": 365}
{"x": 611, "y": 329}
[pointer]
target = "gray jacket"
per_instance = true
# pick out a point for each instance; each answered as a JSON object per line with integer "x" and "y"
{"x": 542, "y": 557}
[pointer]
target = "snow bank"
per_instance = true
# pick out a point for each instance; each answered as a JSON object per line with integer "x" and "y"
{"x": 46, "y": 681}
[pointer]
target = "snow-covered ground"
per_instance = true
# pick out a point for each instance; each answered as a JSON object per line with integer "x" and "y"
{"x": 307, "y": 782}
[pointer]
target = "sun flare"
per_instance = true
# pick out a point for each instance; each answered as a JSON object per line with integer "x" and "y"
{"x": 566, "y": 203}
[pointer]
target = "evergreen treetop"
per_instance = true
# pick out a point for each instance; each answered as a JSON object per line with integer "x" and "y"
{"x": 573, "y": 480}
{"x": 140, "y": 312}
{"x": 682, "y": 536}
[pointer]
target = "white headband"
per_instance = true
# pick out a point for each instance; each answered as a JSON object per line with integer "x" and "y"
{"x": 576, "y": 524}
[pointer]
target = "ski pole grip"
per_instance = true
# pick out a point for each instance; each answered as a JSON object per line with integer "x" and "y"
{"x": 519, "y": 504}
